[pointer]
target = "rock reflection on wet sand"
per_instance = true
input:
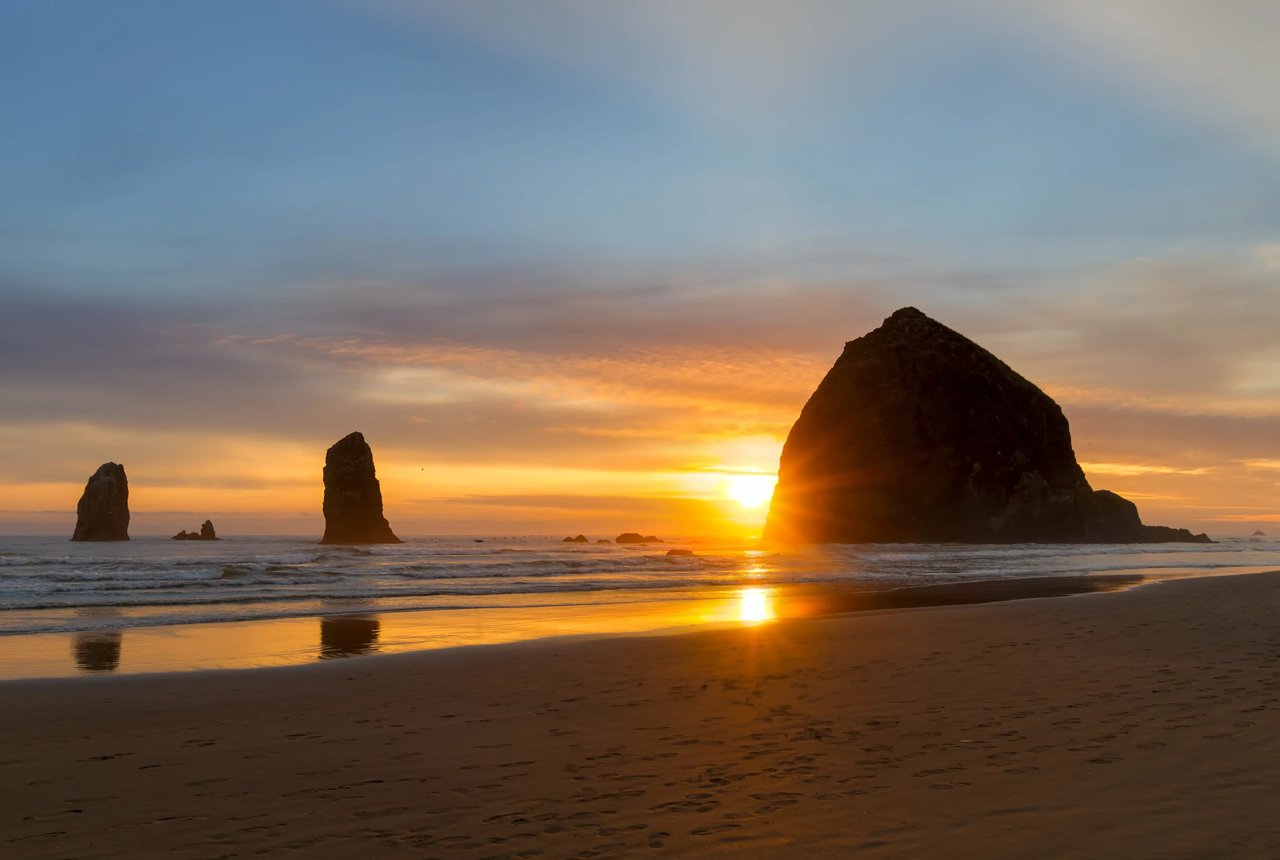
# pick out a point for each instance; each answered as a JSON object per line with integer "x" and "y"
{"x": 97, "y": 651}
{"x": 348, "y": 636}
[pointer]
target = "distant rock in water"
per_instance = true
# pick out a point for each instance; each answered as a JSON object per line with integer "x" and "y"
{"x": 676, "y": 552}
{"x": 578, "y": 539}
{"x": 352, "y": 495}
{"x": 635, "y": 537}
{"x": 206, "y": 533}
{"x": 1259, "y": 533}
{"x": 103, "y": 511}
{"x": 917, "y": 434}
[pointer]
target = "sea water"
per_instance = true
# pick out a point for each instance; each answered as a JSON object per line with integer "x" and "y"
{"x": 52, "y": 585}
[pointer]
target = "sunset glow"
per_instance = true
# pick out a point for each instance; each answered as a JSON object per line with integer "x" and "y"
{"x": 750, "y": 491}
{"x": 755, "y": 606}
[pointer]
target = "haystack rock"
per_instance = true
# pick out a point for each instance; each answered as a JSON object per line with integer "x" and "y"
{"x": 917, "y": 434}
{"x": 352, "y": 495}
{"x": 103, "y": 511}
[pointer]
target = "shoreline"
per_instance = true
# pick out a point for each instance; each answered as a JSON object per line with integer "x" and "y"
{"x": 1137, "y": 723}
{"x": 304, "y": 639}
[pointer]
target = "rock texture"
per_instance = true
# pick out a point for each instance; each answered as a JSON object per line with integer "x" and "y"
{"x": 206, "y": 533}
{"x": 917, "y": 434}
{"x": 352, "y": 495}
{"x": 103, "y": 511}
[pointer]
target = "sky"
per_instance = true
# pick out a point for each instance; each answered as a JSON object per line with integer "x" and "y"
{"x": 575, "y": 266}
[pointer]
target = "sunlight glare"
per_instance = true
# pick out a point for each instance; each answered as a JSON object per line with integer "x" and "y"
{"x": 750, "y": 491}
{"x": 755, "y": 606}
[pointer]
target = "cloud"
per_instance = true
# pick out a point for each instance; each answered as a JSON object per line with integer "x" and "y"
{"x": 1133, "y": 469}
{"x": 1187, "y": 335}
{"x": 1262, "y": 516}
{"x": 1215, "y": 61}
{"x": 746, "y": 63}
{"x": 466, "y": 385}
{"x": 768, "y": 63}
{"x": 1270, "y": 465}
{"x": 1269, "y": 256}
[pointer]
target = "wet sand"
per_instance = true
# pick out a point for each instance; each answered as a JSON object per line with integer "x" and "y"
{"x": 301, "y": 640}
{"x": 1144, "y": 723}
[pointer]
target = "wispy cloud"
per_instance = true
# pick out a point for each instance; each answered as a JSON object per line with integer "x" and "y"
{"x": 751, "y": 64}
{"x": 1212, "y": 60}
{"x": 1132, "y": 469}
{"x": 1269, "y": 465}
{"x": 763, "y": 63}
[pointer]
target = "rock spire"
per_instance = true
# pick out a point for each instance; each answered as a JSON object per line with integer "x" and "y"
{"x": 103, "y": 511}
{"x": 352, "y": 495}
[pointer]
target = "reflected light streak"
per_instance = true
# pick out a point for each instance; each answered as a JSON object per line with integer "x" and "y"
{"x": 755, "y": 606}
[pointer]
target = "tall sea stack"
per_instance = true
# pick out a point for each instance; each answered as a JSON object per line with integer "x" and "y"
{"x": 919, "y": 435}
{"x": 352, "y": 495}
{"x": 103, "y": 511}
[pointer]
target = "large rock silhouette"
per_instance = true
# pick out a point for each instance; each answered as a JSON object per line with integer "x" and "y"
{"x": 352, "y": 495}
{"x": 917, "y": 434}
{"x": 103, "y": 511}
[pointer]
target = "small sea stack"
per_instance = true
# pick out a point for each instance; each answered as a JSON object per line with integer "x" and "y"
{"x": 353, "y": 496}
{"x": 103, "y": 511}
{"x": 919, "y": 435}
{"x": 206, "y": 533}
{"x": 636, "y": 537}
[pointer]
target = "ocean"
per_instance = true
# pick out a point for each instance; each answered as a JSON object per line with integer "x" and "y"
{"x": 51, "y": 585}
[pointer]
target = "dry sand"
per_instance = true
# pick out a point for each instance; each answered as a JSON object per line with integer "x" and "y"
{"x": 1142, "y": 724}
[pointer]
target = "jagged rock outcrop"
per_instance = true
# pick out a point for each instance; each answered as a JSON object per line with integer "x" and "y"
{"x": 1259, "y": 533}
{"x": 578, "y": 539}
{"x": 352, "y": 495}
{"x": 103, "y": 511}
{"x": 636, "y": 537}
{"x": 206, "y": 533}
{"x": 917, "y": 434}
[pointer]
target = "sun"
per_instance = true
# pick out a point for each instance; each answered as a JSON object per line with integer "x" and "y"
{"x": 750, "y": 491}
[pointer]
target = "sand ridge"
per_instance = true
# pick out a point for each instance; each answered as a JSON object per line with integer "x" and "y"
{"x": 1137, "y": 724}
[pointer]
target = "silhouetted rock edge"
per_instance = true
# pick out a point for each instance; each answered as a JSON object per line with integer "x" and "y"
{"x": 919, "y": 435}
{"x": 102, "y": 514}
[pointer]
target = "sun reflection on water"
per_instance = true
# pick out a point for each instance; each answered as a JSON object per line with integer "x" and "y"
{"x": 755, "y": 606}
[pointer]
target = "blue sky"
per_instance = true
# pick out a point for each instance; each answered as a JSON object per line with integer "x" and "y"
{"x": 355, "y": 186}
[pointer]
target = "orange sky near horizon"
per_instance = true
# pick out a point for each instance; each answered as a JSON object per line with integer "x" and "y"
{"x": 683, "y": 451}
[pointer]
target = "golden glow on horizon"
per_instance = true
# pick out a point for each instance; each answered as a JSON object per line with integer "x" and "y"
{"x": 1130, "y": 470}
{"x": 750, "y": 491}
{"x": 703, "y": 483}
{"x": 755, "y": 606}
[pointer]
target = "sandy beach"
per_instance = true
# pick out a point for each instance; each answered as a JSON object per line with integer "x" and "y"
{"x": 1137, "y": 724}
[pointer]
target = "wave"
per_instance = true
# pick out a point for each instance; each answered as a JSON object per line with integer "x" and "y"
{"x": 226, "y": 581}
